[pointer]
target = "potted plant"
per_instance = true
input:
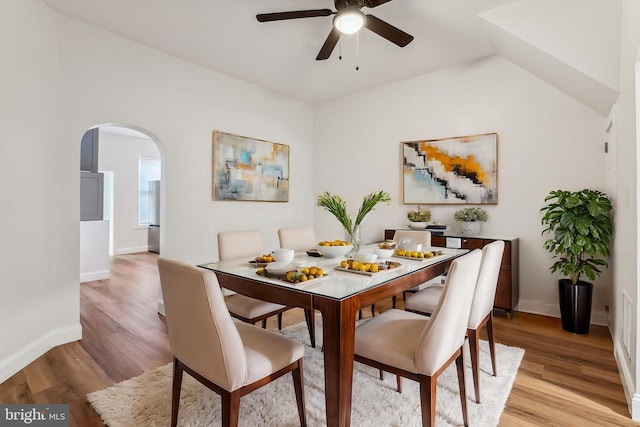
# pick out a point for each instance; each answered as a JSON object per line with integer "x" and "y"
{"x": 471, "y": 219}
{"x": 579, "y": 230}
{"x": 419, "y": 218}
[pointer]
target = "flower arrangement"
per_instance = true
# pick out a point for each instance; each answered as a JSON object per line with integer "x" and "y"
{"x": 338, "y": 207}
{"x": 419, "y": 215}
{"x": 471, "y": 215}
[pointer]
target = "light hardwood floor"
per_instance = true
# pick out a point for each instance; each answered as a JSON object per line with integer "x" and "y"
{"x": 564, "y": 379}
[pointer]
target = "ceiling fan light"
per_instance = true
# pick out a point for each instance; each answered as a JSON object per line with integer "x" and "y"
{"x": 349, "y": 22}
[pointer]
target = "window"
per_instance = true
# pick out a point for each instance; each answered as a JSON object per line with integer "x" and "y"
{"x": 148, "y": 200}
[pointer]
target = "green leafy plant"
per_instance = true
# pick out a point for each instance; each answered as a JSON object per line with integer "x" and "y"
{"x": 338, "y": 207}
{"x": 579, "y": 230}
{"x": 419, "y": 215}
{"x": 471, "y": 215}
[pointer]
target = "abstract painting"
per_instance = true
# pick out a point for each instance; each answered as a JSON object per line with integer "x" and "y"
{"x": 461, "y": 170}
{"x": 249, "y": 169}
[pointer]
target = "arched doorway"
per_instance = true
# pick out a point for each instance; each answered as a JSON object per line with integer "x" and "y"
{"x": 117, "y": 205}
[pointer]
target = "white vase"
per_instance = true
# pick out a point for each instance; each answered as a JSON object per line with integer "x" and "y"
{"x": 471, "y": 228}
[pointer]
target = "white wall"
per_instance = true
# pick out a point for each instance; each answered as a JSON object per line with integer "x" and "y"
{"x": 120, "y": 154}
{"x": 626, "y": 215}
{"x": 178, "y": 103}
{"x": 39, "y": 218}
{"x": 547, "y": 141}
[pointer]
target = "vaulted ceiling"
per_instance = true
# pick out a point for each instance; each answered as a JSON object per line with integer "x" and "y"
{"x": 572, "y": 44}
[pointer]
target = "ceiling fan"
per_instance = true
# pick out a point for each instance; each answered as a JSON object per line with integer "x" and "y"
{"x": 348, "y": 20}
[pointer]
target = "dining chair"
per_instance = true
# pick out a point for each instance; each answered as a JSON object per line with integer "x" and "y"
{"x": 426, "y": 301}
{"x": 301, "y": 239}
{"x": 238, "y": 244}
{"x": 297, "y": 238}
{"x": 421, "y": 348}
{"x": 231, "y": 358}
{"x": 422, "y": 237}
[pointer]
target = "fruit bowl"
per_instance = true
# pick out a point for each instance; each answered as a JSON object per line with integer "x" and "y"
{"x": 334, "y": 251}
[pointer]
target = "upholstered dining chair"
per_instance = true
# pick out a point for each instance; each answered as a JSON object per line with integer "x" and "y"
{"x": 301, "y": 239}
{"x": 481, "y": 315}
{"x": 238, "y": 244}
{"x": 422, "y": 237}
{"x": 297, "y": 238}
{"x": 231, "y": 358}
{"x": 421, "y": 348}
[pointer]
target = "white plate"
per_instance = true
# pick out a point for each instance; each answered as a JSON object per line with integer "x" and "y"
{"x": 279, "y": 267}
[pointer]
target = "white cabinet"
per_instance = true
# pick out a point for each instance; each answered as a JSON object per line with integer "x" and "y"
{"x": 94, "y": 250}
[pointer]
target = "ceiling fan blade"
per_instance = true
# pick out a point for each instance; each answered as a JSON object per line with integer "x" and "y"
{"x": 388, "y": 31}
{"x": 280, "y": 16}
{"x": 329, "y": 44}
{"x": 373, "y": 3}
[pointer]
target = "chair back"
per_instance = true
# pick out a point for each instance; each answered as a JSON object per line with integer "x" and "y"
{"x": 238, "y": 244}
{"x": 446, "y": 329}
{"x": 418, "y": 236}
{"x": 297, "y": 238}
{"x": 201, "y": 332}
{"x": 487, "y": 283}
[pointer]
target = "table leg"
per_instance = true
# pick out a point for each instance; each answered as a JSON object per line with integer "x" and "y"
{"x": 338, "y": 319}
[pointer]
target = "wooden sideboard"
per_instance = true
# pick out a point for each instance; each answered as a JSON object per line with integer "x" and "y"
{"x": 508, "y": 291}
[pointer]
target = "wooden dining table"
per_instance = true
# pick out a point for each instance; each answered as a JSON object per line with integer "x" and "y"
{"x": 338, "y": 296}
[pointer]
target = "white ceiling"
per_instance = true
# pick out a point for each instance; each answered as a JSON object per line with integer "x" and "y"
{"x": 224, "y": 35}
{"x": 573, "y": 45}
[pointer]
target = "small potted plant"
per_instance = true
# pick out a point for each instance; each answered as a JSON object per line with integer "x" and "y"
{"x": 419, "y": 218}
{"x": 471, "y": 219}
{"x": 579, "y": 230}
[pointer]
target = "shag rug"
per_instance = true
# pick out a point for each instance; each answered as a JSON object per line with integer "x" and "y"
{"x": 145, "y": 400}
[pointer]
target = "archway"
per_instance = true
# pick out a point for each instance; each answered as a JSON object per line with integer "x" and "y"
{"x": 116, "y": 208}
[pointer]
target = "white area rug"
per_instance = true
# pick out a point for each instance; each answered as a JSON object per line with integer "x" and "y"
{"x": 146, "y": 399}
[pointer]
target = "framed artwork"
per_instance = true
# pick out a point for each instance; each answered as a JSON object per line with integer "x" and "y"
{"x": 461, "y": 170}
{"x": 249, "y": 169}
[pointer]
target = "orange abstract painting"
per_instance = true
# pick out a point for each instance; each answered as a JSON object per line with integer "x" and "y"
{"x": 460, "y": 170}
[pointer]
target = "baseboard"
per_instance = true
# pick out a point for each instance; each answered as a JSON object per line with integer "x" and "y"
{"x": 94, "y": 275}
{"x": 626, "y": 377}
{"x": 598, "y": 317}
{"x": 21, "y": 358}
{"x": 133, "y": 250}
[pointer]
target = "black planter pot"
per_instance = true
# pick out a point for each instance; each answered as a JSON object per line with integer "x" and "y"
{"x": 575, "y": 305}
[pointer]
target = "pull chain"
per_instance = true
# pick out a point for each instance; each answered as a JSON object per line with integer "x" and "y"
{"x": 357, "y": 49}
{"x": 340, "y": 48}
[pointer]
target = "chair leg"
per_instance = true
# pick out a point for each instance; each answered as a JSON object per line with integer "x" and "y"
{"x": 393, "y": 300}
{"x": 309, "y": 316}
{"x": 381, "y": 372}
{"x": 428, "y": 400}
{"x": 463, "y": 392}
{"x": 359, "y": 314}
{"x": 492, "y": 343}
{"x": 175, "y": 392}
{"x": 474, "y": 350}
{"x": 279, "y": 321}
{"x": 298, "y": 382}
{"x": 373, "y": 310}
{"x": 230, "y": 408}
{"x": 264, "y": 323}
{"x": 398, "y": 383}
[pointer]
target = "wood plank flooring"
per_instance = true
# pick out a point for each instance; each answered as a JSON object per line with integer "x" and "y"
{"x": 564, "y": 379}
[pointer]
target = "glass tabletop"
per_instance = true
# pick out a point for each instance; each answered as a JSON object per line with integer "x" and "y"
{"x": 336, "y": 284}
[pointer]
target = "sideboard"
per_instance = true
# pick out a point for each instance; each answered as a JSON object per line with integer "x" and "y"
{"x": 508, "y": 291}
